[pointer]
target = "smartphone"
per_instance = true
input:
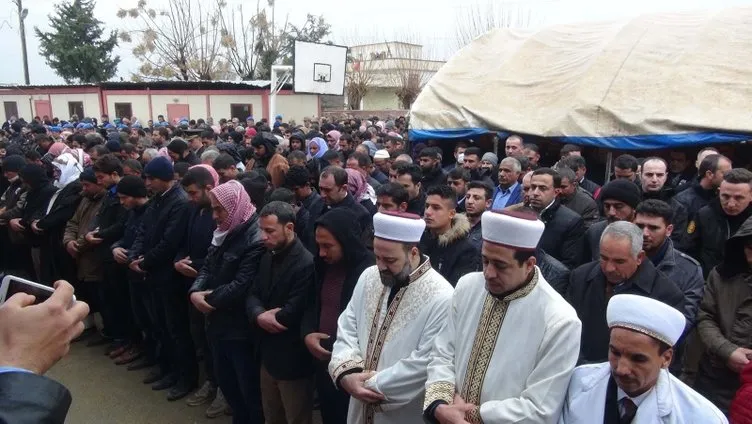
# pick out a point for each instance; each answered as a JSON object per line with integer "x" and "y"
{"x": 12, "y": 285}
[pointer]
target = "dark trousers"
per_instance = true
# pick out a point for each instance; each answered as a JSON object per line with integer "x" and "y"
{"x": 114, "y": 296}
{"x": 334, "y": 403}
{"x": 160, "y": 348}
{"x": 238, "y": 375}
{"x": 198, "y": 331}
{"x": 172, "y": 298}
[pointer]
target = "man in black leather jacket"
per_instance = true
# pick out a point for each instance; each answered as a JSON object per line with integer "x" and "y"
{"x": 219, "y": 292}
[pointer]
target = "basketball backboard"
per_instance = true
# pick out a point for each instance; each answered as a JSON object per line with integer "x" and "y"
{"x": 319, "y": 68}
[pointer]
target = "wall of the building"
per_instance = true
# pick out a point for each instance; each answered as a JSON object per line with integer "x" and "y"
{"x": 139, "y": 105}
{"x": 290, "y": 105}
{"x": 60, "y": 104}
{"x": 220, "y": 105}
{"x": 381, "y": 99}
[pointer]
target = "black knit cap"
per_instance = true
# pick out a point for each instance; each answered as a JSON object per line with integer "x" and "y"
{"x": 88, "y": 175}
{"x": 132, "y": 186}
{"x": 622, "y": 190}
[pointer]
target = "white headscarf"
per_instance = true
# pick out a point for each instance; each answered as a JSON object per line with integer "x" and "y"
{"x": 70, "y": 168}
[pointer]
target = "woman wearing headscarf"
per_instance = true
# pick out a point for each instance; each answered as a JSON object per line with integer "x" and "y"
{"x": 359, "y": 190}
{"x": 316, "y": 149}
{"x": 332, "y": 139}
{"x": 219, "y": 292}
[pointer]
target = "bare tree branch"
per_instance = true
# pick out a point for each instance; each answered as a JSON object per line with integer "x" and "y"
{"x": 479, "y": 19}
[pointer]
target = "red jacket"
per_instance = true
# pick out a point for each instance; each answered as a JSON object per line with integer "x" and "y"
{"x": 741, "y": 407}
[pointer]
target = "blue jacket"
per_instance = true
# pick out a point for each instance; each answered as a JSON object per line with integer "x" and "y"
{"x": 514, "y": 198}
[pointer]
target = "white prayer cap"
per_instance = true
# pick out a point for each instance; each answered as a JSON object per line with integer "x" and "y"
{"x": 398, "y": 226}
{"x": 381, "y": 154}
{"x": 645, "y": 315}
{"x": 517, "y": 230}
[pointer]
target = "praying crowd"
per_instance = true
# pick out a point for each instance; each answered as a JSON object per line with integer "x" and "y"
{"x": 337, "y": 265}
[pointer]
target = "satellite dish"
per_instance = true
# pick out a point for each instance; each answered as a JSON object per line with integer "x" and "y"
{"x": 24, "y": 13}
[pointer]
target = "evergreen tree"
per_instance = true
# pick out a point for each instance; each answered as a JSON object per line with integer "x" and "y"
{"x": 75, "y": 47}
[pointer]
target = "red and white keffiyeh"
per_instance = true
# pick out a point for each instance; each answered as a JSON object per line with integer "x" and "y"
{"x": 234, "y": 199}
{"x": 211, "y": 171}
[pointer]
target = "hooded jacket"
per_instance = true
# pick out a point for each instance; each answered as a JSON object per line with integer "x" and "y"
{"x": 356, "y": 258}
{"x": 38, "y": 197}
{"x": 452, "y": 254}
{"x": 723, "y": 321}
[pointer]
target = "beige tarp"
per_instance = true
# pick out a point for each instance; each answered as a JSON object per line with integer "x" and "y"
{"x": 655, "y": 74}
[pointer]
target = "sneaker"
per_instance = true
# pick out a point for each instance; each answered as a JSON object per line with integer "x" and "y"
{"x": 218, "y": 407}
{"x": 205, "y": 394}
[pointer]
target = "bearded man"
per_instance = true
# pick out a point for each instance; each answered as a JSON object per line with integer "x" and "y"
{"x": 385, "y": 335}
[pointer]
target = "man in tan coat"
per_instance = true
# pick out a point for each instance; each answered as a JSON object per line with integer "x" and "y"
{"x": 723, "y": 321}
{"x": 90, "y": 269}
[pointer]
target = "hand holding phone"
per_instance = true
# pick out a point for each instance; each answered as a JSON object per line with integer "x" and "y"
{"x": 33, "y": 335}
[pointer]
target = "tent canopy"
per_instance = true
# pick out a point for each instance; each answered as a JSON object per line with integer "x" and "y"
{"x": 654, "y": 81}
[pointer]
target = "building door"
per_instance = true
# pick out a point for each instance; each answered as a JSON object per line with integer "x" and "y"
{"x": 43, "y": 108}
{"x": 177, "y": 111}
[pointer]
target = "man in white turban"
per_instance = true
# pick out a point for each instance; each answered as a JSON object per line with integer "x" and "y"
{"x": 385, "y": 335}
{"x": 634, "y": 386}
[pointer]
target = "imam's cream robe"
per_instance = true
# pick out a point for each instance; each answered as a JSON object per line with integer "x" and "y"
{"x": 670, "y": 401}
{"x": 512, "y": 357}
{"x": 395, "y": 342}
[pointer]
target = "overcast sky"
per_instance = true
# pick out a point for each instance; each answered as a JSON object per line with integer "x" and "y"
{"x": 431, "y": 22}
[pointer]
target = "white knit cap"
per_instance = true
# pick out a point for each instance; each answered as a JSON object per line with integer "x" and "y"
{"x": 398, "y": 226}
{"x": 512, "y": 229}
{"x": 645, "y": 315}
{"x": 381, "y": 154}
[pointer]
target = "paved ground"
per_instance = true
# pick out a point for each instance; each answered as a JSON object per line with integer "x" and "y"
{"x": 107, "y": 393}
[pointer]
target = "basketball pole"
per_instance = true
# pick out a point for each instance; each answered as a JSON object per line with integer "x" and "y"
{"x": 276, "y": 85}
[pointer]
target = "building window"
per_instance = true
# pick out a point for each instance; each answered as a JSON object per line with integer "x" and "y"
{"x": 76, "y": 108}
{"x": 240, "y": 111}
{"x": 123, "y": 110}
{"x": 11, "y": 109}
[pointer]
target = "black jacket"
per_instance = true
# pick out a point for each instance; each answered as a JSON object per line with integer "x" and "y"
{"x": 706, "y": 239}
{"x": 200, "y": 227}
{"x": 433, "y": 178}
{"x": 111, "y": 223}
{"x": 191, "y": 159}
{"x": 694, "y": 198}
{"x": 160, "y": 235}
{"x": 417, "y": 205}
{"x": 285, "y": 280}
{"x": 587, "y": 294}
{"x": 356, "y": 258}
{"x": 28, "y": 398}
{"x": 37, "y": 199}
{"x": 452, "y": 254}
{"x": 133, "y": 220}
{"x": 229, "y": 271}
{"x": 57, "y": 263}
{"x": 591, "y": 242}
{"x": 563, "y": 235}
{"x": 555, "y": 272}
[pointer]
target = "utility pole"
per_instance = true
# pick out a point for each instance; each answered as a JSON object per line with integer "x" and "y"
{"x": 22, "y": 13}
